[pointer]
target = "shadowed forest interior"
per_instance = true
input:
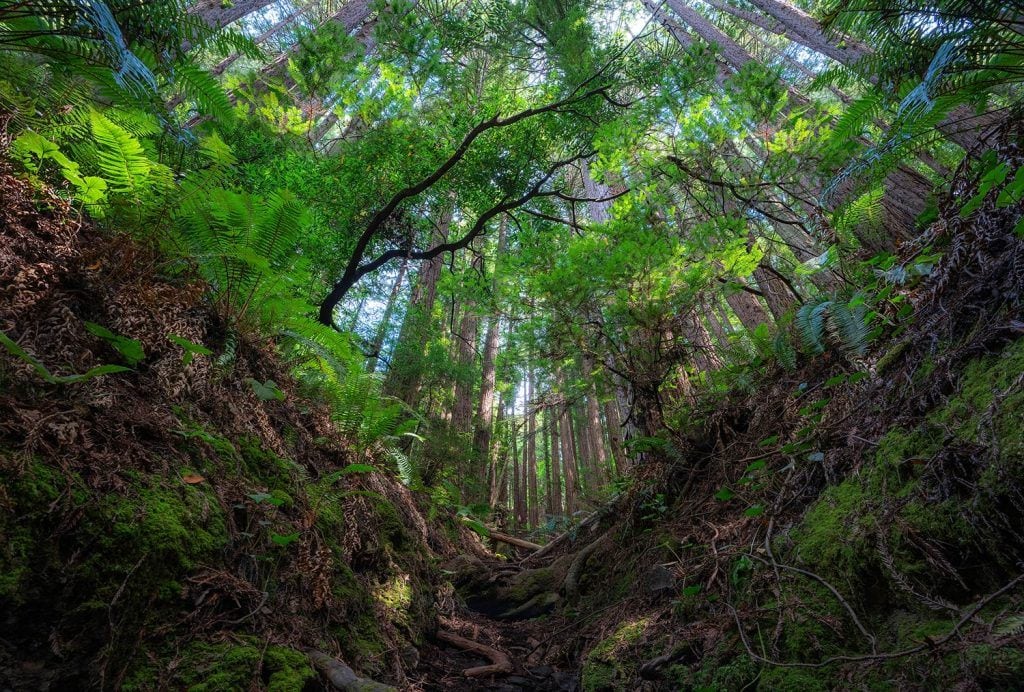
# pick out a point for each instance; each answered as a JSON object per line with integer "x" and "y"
{"x": 511, "y": 344}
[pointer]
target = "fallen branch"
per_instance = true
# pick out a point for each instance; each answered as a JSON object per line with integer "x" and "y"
{"x": 561, "y": 538}
{"x": 512, "y": 540}
{"x": 344, "y": 678}
{"x": 500, "y": 662}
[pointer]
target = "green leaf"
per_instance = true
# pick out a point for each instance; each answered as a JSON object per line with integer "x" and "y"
{"x": 44, "y": 373}
{"x": 691, "y": 590}
{"x": 130, "y": 349}
{"x": 477, "y": 526}
{"x": 266, "y": 391}
{"x": 284, "y": 540}
{"x": 756, "y": 466}
{"x": 754, "y": 511}
{"x": 191, "y": 348}
{"x": 724, "y": 494}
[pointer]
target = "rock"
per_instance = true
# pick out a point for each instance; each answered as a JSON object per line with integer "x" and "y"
{"x": 659, "y": 581}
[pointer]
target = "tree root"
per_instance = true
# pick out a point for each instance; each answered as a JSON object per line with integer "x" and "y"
{"x": 572, "y": 576}
{"x": 500, "y": 662}
{"x": 342, "y": 677}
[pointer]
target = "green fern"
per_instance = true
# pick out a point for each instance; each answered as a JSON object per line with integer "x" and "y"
{"x": 120, "y": 157}
{"x": 842, "y": 324}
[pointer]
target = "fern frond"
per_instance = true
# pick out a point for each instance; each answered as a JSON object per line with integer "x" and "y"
{"x": 810, "y": 324}
{"x": 120, "y": 157}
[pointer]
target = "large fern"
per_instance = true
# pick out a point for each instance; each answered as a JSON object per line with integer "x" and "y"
{"x": 834, "y": 322}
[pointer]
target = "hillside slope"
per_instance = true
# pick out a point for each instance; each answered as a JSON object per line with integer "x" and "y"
{"x": 166, "y": 527}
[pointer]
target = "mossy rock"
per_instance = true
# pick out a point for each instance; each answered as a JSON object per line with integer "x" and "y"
{"x": 610, "y": 665}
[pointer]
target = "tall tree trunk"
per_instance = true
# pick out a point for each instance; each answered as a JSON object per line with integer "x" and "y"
{"x": 385, "y": 322}
{"x": 803, "y": 29}
{"x": 518, "y": 511}
{"x": 596, "y": 437}
{"x": 498, "y": 467}
{"x": 221, "y": 67}
{"x": 907, "y": 191}
{"x": 531, "y": 450}
{"x": 406, "y": 373}
{"x": 462, "y": 411}
{"x": 556, "y": 470}
{"x": 776, "y": 293}
{"x": 218, "y": 14}
{"x": 614, "y": 422}
{"x": 747, "y": 308}
{"x": 704, "y": 356}
{"x": 570, "y": 461}
{"x": 588, "y": 474}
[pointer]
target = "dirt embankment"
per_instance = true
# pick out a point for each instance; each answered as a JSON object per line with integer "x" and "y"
{"x": 164, "y": 526}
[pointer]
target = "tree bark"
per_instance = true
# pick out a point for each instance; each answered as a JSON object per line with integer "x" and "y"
{"x": 748, "y": 309}
{"x": 462, "y": 412}
{"x": 406, "y": 373}
{"x": 614, "y": 423}
{"x": 531, "y": 450}
{"x": 385, "y": 322}
{"x": 776, "y": 293}
{"x": 217, "y": 14}
{"x": 556, "y": 471}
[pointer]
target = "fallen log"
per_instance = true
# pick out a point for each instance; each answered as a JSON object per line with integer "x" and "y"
{"x": 500, "y": 662}
{"x": 512, "y": 540}
{"x": 342, "y": 677}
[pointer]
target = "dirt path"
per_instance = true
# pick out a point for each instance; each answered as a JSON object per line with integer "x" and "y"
{"x": 495, "y": 617}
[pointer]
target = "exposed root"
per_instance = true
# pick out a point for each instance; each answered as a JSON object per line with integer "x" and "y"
{"x": 501, "y": 664}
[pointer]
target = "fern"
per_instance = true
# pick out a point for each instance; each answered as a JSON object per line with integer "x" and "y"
{"x": 204, "y": 90}
{"x": 843, "y": 324}
{"x": 810, "y": 324}
{"x": 120, "y": 157}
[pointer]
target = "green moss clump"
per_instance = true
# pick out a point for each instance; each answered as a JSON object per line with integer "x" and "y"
{"x": 996, "y": 668}
{"x": 607, "y": 666}
{"x": 532, "y": 583}
{"x": 263, "y": 464}
{"x": 834, "y": 534}
{"x": 724, "y": 670}
{"x": 288, "y": 669}
{"x": 175, "y": 526}
{"x": 241, "y": 665}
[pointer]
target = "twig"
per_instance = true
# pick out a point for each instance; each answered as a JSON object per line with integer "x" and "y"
{"x": 849, "y": 609}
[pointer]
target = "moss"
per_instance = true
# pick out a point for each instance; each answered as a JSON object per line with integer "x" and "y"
{"x": 723, "y": 670}
{"x": 176, "y": 526}
{"x": 263, "y": 464}
{"x": 982, "y": 380}
{"x": 994, "y": 667}
{"x": 834, "y": 534}
{"x": 779, "y": 679}
{"x": 216, "y": 667}
{"x": 532, "y": 583}
{"x": 608, "y": 666}
{"x": 288, "y": 669}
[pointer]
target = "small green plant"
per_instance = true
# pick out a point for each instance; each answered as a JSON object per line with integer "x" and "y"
{"x": 191, "y": 348}
{"x": 14, "y": 349}
{"x": 266, "y": 391}
{"x": 130, "y": 349}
